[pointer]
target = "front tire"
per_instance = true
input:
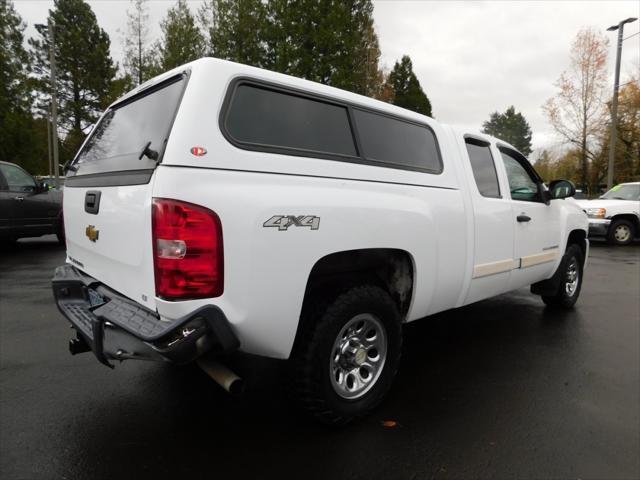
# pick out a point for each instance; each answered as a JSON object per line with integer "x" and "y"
{"x": 571, "y": 270}
{"x": 621, "y": 232}
{"x": 347, "y": 356}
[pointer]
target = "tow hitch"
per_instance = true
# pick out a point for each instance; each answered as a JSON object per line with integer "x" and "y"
{"x": 78, "y": 345}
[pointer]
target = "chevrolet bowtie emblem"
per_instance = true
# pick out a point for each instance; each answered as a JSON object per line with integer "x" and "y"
{"x": 92, "y": 233}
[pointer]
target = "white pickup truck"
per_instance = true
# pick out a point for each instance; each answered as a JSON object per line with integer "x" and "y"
{"x": 616, "y": 214}
{"x": 220, "y": 207}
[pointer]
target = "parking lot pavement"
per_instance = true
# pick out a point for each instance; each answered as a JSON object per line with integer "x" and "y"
{"x": 503, "y": 388}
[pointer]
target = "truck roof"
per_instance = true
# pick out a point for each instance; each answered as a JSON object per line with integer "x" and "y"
{"x": 205, "y": 63}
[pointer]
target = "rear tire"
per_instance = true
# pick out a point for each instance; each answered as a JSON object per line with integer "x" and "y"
{"x": 571, "y": 268}
{"x": 621, "y": 232}
{"x": 347, "y": 355}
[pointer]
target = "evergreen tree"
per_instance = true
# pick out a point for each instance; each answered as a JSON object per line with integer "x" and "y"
{"x": 181, "y": 40}
{"x": 13, "y": 75}
{"x": 138, "y": 57}
{"x": 85, "y": 70}
{"x": 23, "y": 140}
{"x": 14, "y": 60}
{"x": 407, "y": 92}
{"x": 512, "y": 127}
{"x": 236, "y": 30}
{"x": 331, "y": 42}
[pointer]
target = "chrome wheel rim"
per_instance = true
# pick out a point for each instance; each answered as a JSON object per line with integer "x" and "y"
{"x": 622, "y": 233}
{"x": 573, "y": 274}
{"x": 358, "y": 356}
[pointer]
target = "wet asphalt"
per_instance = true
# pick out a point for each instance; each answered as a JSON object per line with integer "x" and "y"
{"x": 500, "y": 389}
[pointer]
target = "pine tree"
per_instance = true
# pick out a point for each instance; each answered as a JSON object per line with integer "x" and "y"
{"x": 331, "y": 42}
{"x": 181, "y": 41}
{"x": 407, "y": 92}
{"x": 85, "y": 70}
{"x": 512, "y": 127}
{"x": 13, "y": 75}
{"x": 138, "y": 58}
{"x": 236, "y": 30}
{"x": 23, "y": 139}
{"x": 14, "y": 60}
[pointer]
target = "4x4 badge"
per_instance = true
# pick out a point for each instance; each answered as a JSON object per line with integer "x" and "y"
{"x": 92, "y": 233}
{"x": 283, "y": 222}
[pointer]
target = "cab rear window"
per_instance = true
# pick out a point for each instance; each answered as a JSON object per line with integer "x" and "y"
{"x": 132, "y": 134}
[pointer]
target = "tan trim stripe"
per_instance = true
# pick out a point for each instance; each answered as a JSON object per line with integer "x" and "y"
{"x": 501, "y": 266}
{"x": 531, "y": 260}
{"x": 493, "y": 268}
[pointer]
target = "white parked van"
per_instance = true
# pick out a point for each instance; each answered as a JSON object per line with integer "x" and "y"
{"x": 220, "y": 207}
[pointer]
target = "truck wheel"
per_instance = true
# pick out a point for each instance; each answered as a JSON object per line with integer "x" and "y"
{"x": 570, "y": 280}
{"x": 347, "y": 356}
{"x": 621, "y": 232}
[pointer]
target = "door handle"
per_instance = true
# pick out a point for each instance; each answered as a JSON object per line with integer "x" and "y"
{"x": 523, "y": 218}
{"x": 18, "y": 198}
{"x": 92, "y": 202}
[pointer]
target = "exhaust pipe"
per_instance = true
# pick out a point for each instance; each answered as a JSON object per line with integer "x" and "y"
{"x": 224, "y": 377}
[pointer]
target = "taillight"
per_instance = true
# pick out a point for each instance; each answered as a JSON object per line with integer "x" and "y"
{"x": 187, "y": 251}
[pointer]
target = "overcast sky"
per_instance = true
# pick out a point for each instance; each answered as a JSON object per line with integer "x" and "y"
{"x": 472, "y": 58}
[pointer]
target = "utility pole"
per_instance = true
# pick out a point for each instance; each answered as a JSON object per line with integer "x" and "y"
{"x": 50, "y": 144}
{"x": 139, "y": 48}
{"x": 54, "y": 103}
{"x": 614, "y": 101}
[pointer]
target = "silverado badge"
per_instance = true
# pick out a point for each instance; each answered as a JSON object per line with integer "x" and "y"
{"x": 92, "y": 233}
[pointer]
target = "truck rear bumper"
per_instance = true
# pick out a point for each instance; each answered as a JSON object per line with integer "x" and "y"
{"x": 116, "y": 328}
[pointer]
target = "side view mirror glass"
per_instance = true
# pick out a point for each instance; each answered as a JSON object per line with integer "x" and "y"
{"x": 562, "y": 189}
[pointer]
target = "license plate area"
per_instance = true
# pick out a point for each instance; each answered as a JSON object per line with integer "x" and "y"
{"x": 95, "y": 299}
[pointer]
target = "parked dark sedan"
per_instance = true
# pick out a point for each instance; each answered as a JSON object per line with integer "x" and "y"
{"x": 27, "y": 207}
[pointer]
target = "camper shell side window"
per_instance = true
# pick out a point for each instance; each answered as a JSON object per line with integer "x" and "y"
{"x": 260, "y": 116}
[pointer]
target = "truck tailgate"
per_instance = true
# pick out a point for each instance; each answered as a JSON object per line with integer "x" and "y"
{"x": 114, "y": 244}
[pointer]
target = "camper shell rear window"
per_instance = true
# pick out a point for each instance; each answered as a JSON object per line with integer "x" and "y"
{"x": 264, "y": 117}
{"x": 131, "y": 135}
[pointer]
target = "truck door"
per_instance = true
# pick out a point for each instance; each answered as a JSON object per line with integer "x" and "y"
{"x": 493, "y": 257}
{"x": 537, "y": 225}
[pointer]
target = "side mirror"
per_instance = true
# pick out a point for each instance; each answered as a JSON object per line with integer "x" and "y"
{"x": 561, "y": 189}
